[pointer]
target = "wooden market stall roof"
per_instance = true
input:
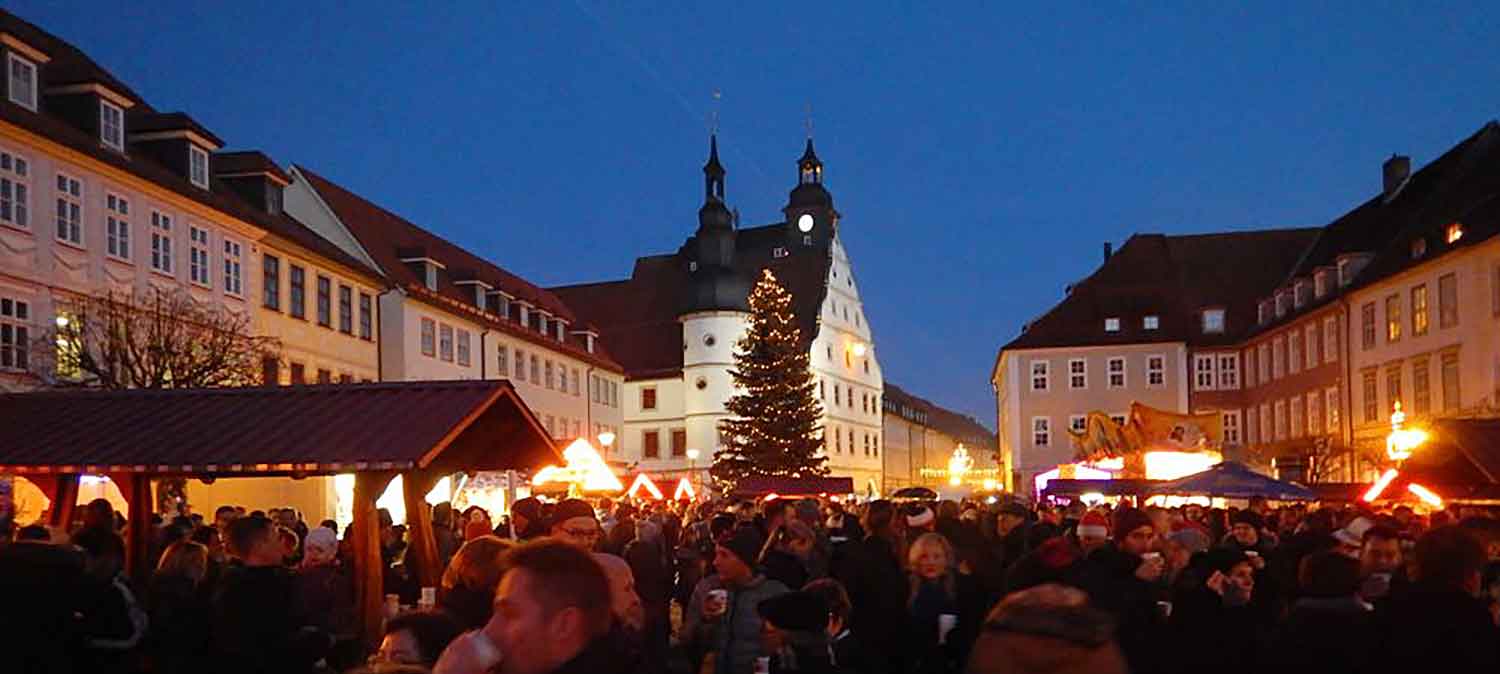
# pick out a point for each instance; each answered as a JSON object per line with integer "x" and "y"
{"x": 289, "y": 430}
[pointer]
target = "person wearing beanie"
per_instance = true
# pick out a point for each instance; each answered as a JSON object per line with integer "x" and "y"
{"x": 574, "y": 521}
{"x": 1124, "y": 578}
{"x": 1092, "y": 532}
{"x": 796, "y": 633}
{"x": 526, "y": 521}
{"x": 1048, "y": 629}
{"x": 919, "y": 520}
{"x": 1213, "y": 616}
{"x": 1179, "y": 548}
{"x": 721, "y": 616}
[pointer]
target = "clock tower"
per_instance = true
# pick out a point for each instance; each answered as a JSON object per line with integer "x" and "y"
{"x": 810, "y": 217}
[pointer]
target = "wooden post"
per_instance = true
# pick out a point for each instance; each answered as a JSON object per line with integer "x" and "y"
{"x": 422, "y": 560}
{"x": 369, "y": 570}
{"x": 64, "y": 501}
{"x": 136, "y": 488}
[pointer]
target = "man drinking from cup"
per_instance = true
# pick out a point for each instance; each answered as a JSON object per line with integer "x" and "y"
{"x": 722, "y": 617}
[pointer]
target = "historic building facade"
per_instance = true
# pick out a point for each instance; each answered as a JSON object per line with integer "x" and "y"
{"x": 674, "y": 324}
{"x": 449, "y": 314}
{"x": 101, "y": 193}
{"x": 921, "y": 438}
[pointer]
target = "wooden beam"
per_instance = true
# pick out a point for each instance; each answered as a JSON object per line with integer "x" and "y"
{"x": 369, "y": 568}
{"x": 64, "y": 501}
{"x": 136, "y": 488}
{"x": 422, "y": 560}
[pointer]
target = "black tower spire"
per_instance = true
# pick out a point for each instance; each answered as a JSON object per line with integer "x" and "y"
{"x": 713, "y": 171}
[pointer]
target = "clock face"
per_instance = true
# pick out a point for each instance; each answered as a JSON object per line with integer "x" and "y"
{"x": 805, "y": 222}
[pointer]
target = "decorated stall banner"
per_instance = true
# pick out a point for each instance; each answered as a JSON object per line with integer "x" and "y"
{"x": 1162, "y": 430}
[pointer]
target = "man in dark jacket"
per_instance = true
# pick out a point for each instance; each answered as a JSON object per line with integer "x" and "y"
{"x": 1123, "y": 578}
{"x": 256, "y": 624}
{"x": 1440, "y": 619}
{"x": 872, "y": 573}
{"x": 45, "y": 579}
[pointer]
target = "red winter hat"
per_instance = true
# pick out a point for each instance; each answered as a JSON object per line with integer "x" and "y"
{"x": 1129, "y": 519}
{"x": 1093, "y": 524}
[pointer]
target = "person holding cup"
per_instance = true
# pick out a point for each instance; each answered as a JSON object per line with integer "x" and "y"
{"x": 721, "y": 620}
{"x": 1124, "y": 578}
{"x": 942, "y": 615}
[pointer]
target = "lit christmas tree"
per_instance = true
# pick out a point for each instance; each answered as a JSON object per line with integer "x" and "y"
{"x": 775, "y": 430}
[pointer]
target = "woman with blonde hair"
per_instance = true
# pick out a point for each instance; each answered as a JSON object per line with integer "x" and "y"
{"x": 943, "y": 607}
{"x": 180, "y": 610}
{"x": 468, "y": 586}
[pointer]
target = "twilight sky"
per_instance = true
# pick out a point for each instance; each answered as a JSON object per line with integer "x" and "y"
{"x": 980, "y": 154}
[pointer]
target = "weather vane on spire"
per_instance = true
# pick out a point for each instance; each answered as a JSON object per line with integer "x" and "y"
{"x": 713, "y": 120}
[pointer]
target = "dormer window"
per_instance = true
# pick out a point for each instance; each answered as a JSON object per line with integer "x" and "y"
{"x": 1282, "y": 302}
{"x": 198, "y": 166}
{"x": 1301, "y": 293}
{"x": 562, "y": 330}
{"x": 1320, "y": 284}
{"x": 1111, "y": 325}
{"x": 111, "y": 125}
{"x": 1454, "y": 232}
{"x": 1418, "y": 247}
{"x": 1151, "y": 323}
{"x": 22, "y": 81}
{"x": 1213, "y": 321}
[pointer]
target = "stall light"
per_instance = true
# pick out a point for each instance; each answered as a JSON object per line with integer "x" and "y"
{"x": 772, "y": 496}
{"x": 642, "y": 481}
{"x": 684, "y": 491}
{"x": 585, "y": 469}
{"x": 1092, "y": 498}
{"x": 1172, "y": 465}
{"x": 1426, "y": 495}
{"x": 1380, "y": 485}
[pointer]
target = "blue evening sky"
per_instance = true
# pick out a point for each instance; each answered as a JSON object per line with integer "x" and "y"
{"x": 980, "y": 153}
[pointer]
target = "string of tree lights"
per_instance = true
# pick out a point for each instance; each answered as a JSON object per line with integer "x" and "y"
{"x": 775, "y": 430}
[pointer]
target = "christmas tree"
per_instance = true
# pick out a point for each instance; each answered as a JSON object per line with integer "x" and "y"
{"x": 775, "y": 430}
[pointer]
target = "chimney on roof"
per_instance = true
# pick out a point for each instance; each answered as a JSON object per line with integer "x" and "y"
{"x": 1394, "y": 173}
{"x": 1109, "y": 249}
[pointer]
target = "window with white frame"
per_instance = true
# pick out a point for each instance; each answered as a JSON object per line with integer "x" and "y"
{"x": 117, "y": 226}
{"x": 1231, "y": 424}
{"x": 1263, "y": 361}
{"x": 1298, "y": 420}
{"x": 111, "y": 125}
{"x": 198, "y": 255}
{"x": 1252, "y": 426}
{"x": 15, "y": 182}
{"x": 1041, "y": 432}
{"x": 1078, "y": 423}
{"x": 1111, "y": 325}
{"x": 1078, "y": 373}
{"x": 1320, "y": 284}
{"x": 547, "y": 379}
{"x": 1315, "y": 413}
{"x": 69, "y": 209}
{"x": 15, "y": 334}
{"x": 232, "y": 268}
{"x": 1203, "y": 372}
{"x": 1249, "y": 359}
{"x": 161, "y": 242}
{"x": 1280, "y": 419}
{"x": 198, "y": 166}
{"x": 23, "y": 81}
{"x": 1311, "y": 346}
{"x": 536, "y": 377}
{"x": 1156, "y": 371}
{"x": 346, "y": 309}
{"x": 1331, "y": 408}
{"x": 1331, "y": 339}
{"x": 1213, "y": 321}
{"x": 445, "y": 342}
{"x": 1115, "y": 368}
{"x": 1278, "y": 348}
{"x": 1151, "y": 322}
{"x": 1229, "y": 371}
{"x": 575, "y": 381}
{"x": 1293, "y": 352}
{"x": 429, "y": 337}
{"x": 1039, "y": 375}
{"x": 463, "y": 347}
{"x": 502, "y": 361}
{"x": 1266, "y": 433}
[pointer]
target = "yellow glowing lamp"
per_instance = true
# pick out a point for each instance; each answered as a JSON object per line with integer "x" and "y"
{"x": 1400, "y": 443}
{"x": 1375, "y": 489}
{"x": 585, "y": 469}
{"x": 1426, "y": 495}
{"x": 684, "y": 491}
{"x": 959, "y": 464}
{"x": 860, "y": 349}
{"x": 643, "y": 482}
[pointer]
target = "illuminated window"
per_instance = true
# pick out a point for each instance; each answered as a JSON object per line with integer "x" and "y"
{"x": 1419, "y": 310}
{"x": 1393, "y": 318}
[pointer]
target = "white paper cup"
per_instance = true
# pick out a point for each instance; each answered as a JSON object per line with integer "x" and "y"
{"x": 946, "y": 623}
{"x": 719, "y": 600}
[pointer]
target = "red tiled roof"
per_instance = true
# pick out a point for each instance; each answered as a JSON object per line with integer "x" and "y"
{"x": 1173, "y": 278}
{"x": 311, "y": 429}
{"x": 638, "y": 316}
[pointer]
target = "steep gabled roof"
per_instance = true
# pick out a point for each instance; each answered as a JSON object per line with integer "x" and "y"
{"x": 1173, "y": 278}
{"x": 638, "y": 316}
{"x": 954, "y": 424}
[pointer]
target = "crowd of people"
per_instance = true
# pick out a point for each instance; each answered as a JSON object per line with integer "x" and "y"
{"x": 774, "y": 585}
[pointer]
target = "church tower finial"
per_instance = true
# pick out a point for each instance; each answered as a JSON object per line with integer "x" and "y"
{"x": 713, "y": 172}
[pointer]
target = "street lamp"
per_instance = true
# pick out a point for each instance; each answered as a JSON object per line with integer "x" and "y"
{"x": 692, "y": 456}
{"x": 606, "y": 440}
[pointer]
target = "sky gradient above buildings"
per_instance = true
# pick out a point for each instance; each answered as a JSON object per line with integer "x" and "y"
{"x": 980, "y": 155}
